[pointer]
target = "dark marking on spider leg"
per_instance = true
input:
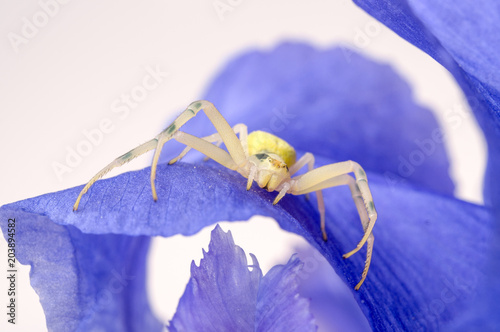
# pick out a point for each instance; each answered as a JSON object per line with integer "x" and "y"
{"x": 171, "y": 128}
{"x": 371, "y": 206}
{"x": 126, "y": 155}
{"x": 197, "y": 105}
{"x": 190, "y": 110}
{"x": 361, "y": 173}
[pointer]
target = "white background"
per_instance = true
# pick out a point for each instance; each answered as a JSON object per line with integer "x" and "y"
{"x": 64, "y": 77}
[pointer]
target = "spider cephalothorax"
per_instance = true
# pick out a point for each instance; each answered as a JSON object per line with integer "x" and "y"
{"x": 265, "y": 159}
{"x": 269, "y": 157}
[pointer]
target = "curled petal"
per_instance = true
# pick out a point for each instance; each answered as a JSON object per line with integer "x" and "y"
{"x": 85, "y": 282}
{"x": 338, "y": 104}
{"x": 428, "y": 257}
{"x": 279, "y": 304}
{"x": 462, "y": 36}
{"x": 223, "y": 295}
{"x": 426, "y": 245}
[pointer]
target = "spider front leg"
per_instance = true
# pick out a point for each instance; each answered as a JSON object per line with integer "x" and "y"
{"x": 239, "y": 129}
{"x": 225, "y": 131}
{"x": 235, "y": 158}
{"x": 141, "y": 149}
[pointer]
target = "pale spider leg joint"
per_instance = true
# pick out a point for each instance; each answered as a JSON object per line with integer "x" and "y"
{"x": 225, "y": 131}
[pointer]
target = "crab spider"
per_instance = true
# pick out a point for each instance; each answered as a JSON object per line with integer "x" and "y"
{"x": 265, "y": 159}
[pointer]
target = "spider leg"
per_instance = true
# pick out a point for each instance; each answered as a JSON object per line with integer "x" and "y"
{"x": 322, "y": 177}
{"x": 357, "y": 196}
{"x": 208, "y": 149}
{"x": 205, "y": 147}
{"x": 363, "y": 215}
{"x": 308, "y": 159}
{"x": 141, "y": 149}
{"x": 240, "y": 129}
{"x": 236, "y": 148}
{"x": 233, "y": 144}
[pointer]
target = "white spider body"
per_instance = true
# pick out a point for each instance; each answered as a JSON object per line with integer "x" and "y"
{"x": 266, "y": 159}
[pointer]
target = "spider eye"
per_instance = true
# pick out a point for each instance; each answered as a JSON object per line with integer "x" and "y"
{"x": 262, "y": 156}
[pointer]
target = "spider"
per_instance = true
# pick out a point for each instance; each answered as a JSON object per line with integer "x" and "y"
{"x": 265, "y": 159}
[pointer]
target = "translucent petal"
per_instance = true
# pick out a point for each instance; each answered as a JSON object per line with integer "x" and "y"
{"x": 85, "y": 282}
{"x": 336, "y": 103}
{"x": 462, "y": 36}
{"x": 223, "y": 295}
{"x": 425, "y": 244}
{"x": 429, "y": 248}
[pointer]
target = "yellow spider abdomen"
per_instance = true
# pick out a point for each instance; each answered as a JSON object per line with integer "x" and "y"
{"x": 262, "y": 142}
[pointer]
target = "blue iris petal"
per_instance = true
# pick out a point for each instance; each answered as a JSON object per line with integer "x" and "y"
{"x": 423, "y": 241}
{"x": 332, "y": 304}
{"x": 279, "y": 305}
{"x": 338, "y": 104}
{"x": 85, "y": 282}
{"x": 223, "y": 295}
{"x": 463, "y": 37}
{"x": 429, "y": 247}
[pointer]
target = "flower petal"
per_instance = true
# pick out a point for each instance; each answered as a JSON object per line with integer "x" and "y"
{"x": 332, "y": 302}
{"x": 424, "y": 242}
{"x": 279, "y": 304}
{"x": 338, "y": 104}
{"x": 462, "y": 36}
{"x": 190, "y": 197}
{"x": 223, "y": 295}
{"x": 85, "y": 282}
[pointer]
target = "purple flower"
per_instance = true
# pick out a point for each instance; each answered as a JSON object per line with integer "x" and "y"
{"x": 223, "y": 295}
{"x": 460, "y": 35}
{"x": 433, "y": 252}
